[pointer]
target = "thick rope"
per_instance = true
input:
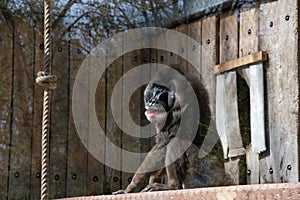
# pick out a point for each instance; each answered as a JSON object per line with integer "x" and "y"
{"x": 48, "y": 82}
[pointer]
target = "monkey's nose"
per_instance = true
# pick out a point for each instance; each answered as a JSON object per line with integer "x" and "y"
{"x": 152, "y": 102}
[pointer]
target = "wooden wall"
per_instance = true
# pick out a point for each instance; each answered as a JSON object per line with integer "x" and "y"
{"x": 271, "y": 27}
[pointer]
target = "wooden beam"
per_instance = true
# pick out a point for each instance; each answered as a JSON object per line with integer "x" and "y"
{"x": 240, "y": 62}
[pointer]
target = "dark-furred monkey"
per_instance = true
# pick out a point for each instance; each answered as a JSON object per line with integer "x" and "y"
{"x": 177, "y": 152}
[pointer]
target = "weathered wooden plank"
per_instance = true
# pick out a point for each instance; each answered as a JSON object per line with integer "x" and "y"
{"x": 181, "y": 61}
{"x": 77, "y": 153}
{"x": 131, "y": 141}
{"x": 253, "y": 58}
{"x": 95, "y": 169}
{"x": 59, "y": 120}
{"x": 35, "y": 185}
{"x": 6, "y": 70}
{"x": 113, "y": 132}
{"x": 22, "y": 111}
{"x": 279, "y": 36}
{"x": 226, "y": 102}
{"x": 209, "y": 58}
{"x": 194, "y": 31}
{"x": 248, "y": 45}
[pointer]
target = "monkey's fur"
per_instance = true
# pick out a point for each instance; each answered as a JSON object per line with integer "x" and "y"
{"x": 194, "y": 168}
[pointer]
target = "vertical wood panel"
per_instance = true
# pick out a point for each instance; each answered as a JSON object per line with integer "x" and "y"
{"x": 59, "y": 120}
{"x": 181, "y": 61}
{"x": 20, "y": 158}
{"x": 77, "y": 153}
{"x": 228, "y": 51}
{"x": 279, "y": 37}
{"x": 209, "y": 58}
{"x": 113, "y": 132}
{"x": 37, "y": 117}
{"x": 95, "y": 169}
{"x": 6, "y": 69}
{"x": 249, "y": 44}
{"x": 131, "y": 143}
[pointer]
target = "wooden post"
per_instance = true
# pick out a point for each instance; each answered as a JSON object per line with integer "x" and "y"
{"x": 279, "y": 35}
{"x": 227, "y": 119}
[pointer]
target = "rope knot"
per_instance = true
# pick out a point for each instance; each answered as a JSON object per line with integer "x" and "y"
{"x": 46, "y": 81}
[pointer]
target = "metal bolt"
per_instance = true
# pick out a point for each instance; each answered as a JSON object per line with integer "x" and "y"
{"x": 74, "y": 176}
{"x": 38, "y": 175}
{"x": 59, "y": 49}
{"x": 271, "y": 170}
{"x": 95, "y": 178}
{"x": 289, "y": 167}
{"x": 41, "y": 46}
{"x": 162, "y": 58}
{"x": 208, "y": 41}
{"x": 271, "y": 24}
{"x": 115, "y": 179}
{"x": 249, "y": 32}
{"x": 287, "y": 18}
{"x": 171, "y": 53}
{"x": 194, "y": 47}
{"x": 144, "y": 59}
{"x": 17, "y": 174}
{"x": 56, "y": 177}
{"x": 248, "y": 172}
{"x": 135, "y": 58}
{"x": 226, "y": 37}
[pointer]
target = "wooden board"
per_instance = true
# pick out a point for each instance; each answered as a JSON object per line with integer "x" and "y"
{"x": 248, "y": 45}
{"x": 179, "y": 60}
{"x": 129, "y": 142}
{"x": 257, "y": 57}
{"x": 228, "y": 122}
{"x": 6, "y": 69}
{"x": 95, "y": 169}
{"x": 35, "y": 184}
{"x": 59, "y": 120}
{"x": 77, "y": 153}
{"x": 209, "y": 58}
{"x": 22, "y": 111}
{"x": 279, "y": 36}
{"x": 113, "y": 132}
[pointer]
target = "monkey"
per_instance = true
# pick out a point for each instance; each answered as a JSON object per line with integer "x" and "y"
{"x": 167, "y": 100}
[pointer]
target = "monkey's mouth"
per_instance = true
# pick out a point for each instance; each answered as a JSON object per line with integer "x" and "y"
{"x": 151, "y": 113}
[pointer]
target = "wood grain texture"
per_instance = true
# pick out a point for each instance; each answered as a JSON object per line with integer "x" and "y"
{"x": 248, "y": 45}
{"x": 59, "y": 120}
{"x": 253, "y": 58}
{"x": 6, "y": 70}
{"x": 279, "y": 36}
{"x": 37, "y": 119}
{"x": 77, "y": 153}
{"x": 22, "y": 111}
{"x": 228, "y": 120}
{"x": 113, "y": 132}
{"x": 209, "y": 58}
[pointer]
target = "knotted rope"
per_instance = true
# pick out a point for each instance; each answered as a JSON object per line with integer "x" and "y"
{"x": 48, "y": 82}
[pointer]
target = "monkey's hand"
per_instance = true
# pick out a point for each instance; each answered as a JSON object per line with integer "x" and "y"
{"x": 158, "y": 187}
{"x": 119, "y": 192}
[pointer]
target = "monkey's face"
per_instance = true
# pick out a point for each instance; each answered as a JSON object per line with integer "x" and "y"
{"x": 159, "y": 101}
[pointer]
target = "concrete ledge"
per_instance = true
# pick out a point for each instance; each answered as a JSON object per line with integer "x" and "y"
{"x": 284, "y": 191}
